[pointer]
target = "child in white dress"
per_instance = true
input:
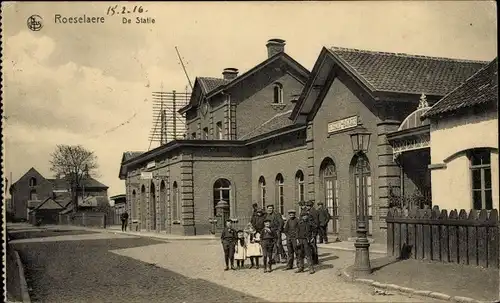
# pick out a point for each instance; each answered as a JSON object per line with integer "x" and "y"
{"x": 240, "y": 251}
{"x": 254, "y": 250}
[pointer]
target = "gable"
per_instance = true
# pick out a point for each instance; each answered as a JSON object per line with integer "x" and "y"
{"x": 31, "y": 173}
{"x": 49, "y": 204}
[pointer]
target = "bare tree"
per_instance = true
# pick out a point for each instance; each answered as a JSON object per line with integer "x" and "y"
{"x": 75, "y": 163}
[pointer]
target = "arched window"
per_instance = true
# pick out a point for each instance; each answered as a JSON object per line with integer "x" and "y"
{"x": 299, "y": 186}
{"x": 163, "y": 205}
{"x": 280, "y": 193}
{"x": 133, "y": 205}
{"x": 330, "y": 192}
{"x": 262, "y": 189}
{"x": 33, "y": 195}
{"x": 176, "y": 216}
{"x": 278, "y": 93}
{"x": 32, "y": 181}
{"x": 480, "y": 171}
{"x": 142, "y": 209}
{"x": 152, "y": 205}
{"x": 363, "y": 185}
{"x": 222, "y": 192}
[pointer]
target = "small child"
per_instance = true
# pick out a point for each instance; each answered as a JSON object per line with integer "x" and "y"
{"x": 254, "y": 251}
{"x": 240, "y": 251}
{"x": 268, "y": 237}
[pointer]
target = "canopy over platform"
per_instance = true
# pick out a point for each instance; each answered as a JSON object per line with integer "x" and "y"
{"x": 413, "y": 133}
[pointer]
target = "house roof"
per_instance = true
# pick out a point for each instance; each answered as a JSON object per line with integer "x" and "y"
{"x": 278, "y": 121}
{"x": 480, "y": 88}
{"x": 48, "y": 203}
{"x": 213, "y": 82}
{"x": 120, "y": 196}
{"x": 208, "y": 84}
{"x": 404, "y": 73}
{"x": 383, "y": 74}
{"x": 130, "y": 154}
{"x": 90, "y": 182}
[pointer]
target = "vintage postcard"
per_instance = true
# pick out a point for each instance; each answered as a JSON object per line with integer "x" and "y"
{"x": 274, "y": 151}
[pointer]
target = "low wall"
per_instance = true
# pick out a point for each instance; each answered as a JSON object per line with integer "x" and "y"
{"x": 89, "y": 219}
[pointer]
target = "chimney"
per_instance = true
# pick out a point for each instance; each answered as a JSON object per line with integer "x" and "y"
{"x": 275, "y": 46}
{"x": 230, "y": 73}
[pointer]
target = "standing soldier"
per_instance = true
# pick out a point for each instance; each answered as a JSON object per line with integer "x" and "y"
{"x": 268, "y": 237}
{"x": 324, "y": 218}
{"x": 124, "y": 218}
{"x": 290, "y": 231}
{"x": 277, "y": 227}
{"x": 228, "y": 240}
{"x": 314, "y": 217}
{"x": 304, "y": 239}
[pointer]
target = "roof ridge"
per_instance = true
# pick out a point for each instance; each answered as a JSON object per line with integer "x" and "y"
{"x": 271, "y": 119}
{"x": 334, "y": 48}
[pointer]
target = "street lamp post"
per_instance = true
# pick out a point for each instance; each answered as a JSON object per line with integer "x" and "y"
{"x": 360, "y": 140}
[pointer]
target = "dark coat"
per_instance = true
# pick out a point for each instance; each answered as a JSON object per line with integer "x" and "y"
{"x": 267, "y": 235}
{"x": 228, "y": 235}
{"x": 323, "y": 216}
{"x": 124, "y": 216}
{"x": 304, "y": 229}
{"x": 290, "y": 229}
{"x": 258, "y": 222}
{"x": 277, "y": 222}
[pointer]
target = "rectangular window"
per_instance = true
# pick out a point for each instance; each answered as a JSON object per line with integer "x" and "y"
{"x": 205, "y": 133}
{"x": 480, "y": 160}
{"x": 218, "y": 131}
{"x": 282, "y": 199}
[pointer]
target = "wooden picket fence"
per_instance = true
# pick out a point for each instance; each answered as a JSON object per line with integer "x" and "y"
{"x": 457, "y": 237}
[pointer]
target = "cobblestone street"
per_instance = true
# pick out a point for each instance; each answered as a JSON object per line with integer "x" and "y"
{"x": 77, "y": 266}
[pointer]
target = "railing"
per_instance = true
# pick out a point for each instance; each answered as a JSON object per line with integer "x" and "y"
{"x": 457, "y": 237}
{"x": 91, "y": 219}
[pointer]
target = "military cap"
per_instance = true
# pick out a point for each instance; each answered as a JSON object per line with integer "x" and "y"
{"x": 267, "y": 220}
{"x": 229, "y": 220}
{"x": 320, "y": 203}
{"x": 292, "y": 211}
{"x": 309, "y": 203}
{"x": 270, "y": 205}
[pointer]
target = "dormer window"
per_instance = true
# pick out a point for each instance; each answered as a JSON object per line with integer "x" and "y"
{"x": 278, "y": 93}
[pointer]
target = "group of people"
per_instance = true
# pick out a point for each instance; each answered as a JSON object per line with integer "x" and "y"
{"x": 262, "y": 237}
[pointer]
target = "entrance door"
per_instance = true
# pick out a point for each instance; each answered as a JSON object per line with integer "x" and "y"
{"x": 331, "y": 195}
{"x": 367, "y": 194}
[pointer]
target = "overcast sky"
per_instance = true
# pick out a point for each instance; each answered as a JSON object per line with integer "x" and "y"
{"x": 74, "y": 83}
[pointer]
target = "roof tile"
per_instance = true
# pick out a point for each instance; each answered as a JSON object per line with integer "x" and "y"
{"x": 480, "y": 88}
{"x": 208, "y": 84}
{"x": 393, "y": 72}
{"x": 278, "y": 121}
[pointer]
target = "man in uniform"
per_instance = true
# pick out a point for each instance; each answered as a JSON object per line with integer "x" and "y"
{"x": 290, "y": 231}
{"x": 302, "y": 205}
{"x": 314, "y": 217}
{"x": 304, "y": 239}
{"x": 124, "y": 218}
{"x": 228, "y": 240}
{"x": 277, "y": 225}
{"x": 323, "y": 218}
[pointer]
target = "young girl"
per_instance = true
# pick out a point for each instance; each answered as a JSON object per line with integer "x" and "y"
{"x": 254, "y": 251}
{"x": 240, "y": 252}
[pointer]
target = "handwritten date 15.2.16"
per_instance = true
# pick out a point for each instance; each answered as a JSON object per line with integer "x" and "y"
{"x": 122, "y": 10}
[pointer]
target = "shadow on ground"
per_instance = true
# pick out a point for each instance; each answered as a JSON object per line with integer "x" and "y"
{"x": 86, "y": 271}
{"x": 452, "y": 279}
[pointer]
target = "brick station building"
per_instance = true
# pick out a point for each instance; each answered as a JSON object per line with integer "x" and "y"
{"x": 278, "y": 134}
